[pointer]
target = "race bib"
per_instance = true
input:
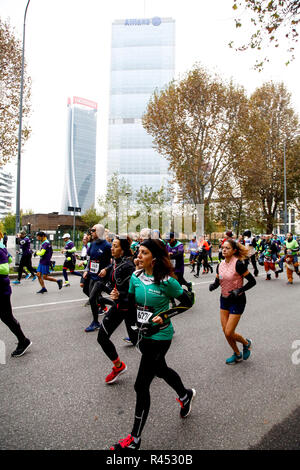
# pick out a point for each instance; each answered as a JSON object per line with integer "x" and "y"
{"x": 173, "y": 262}
{"x": 143, "y": 314}
{"x": 94, "y": 267}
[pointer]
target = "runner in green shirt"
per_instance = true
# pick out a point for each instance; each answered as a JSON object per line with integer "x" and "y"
{"x": 150, "y": 291}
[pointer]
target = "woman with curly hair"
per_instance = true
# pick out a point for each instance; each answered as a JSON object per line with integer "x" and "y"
{"x": 230, "y": 276}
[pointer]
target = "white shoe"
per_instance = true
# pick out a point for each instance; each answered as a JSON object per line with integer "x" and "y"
{"x": 66, "y": 284}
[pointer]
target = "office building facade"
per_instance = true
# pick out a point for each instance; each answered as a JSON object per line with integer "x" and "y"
{"x": 80, "y": 164}
{"x": 6, "y": 193}
{"x": 142, "y": 61}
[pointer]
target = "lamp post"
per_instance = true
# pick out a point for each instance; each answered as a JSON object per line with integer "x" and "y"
{"x": 128, "y": 193}
{"x": 115, "y": 203}
{"x": 17, "y": 259}
{"x": 74, "y": 210}
{"x": 284, "y": 184}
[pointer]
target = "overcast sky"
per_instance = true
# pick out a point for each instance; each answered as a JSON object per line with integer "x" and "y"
{"x": 68, "y": 54}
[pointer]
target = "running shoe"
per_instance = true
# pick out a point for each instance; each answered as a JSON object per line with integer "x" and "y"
{"x": 34, "y": 278}
{"x": 268, "y": 278}
{"x": 116, "y": 371}
{"x": 60, "y": 283}
{"x": 196, "y": 275}
{"x": 186, "y": 403}
{"x": 102, "y": 311}
{"x": 16, "y": 282}
{"x": 247, "y": 349}
{"x": 28, "y": 276}
{"x": 21, "y": 348}
{"x": 276, "y": 274}
{"x": 127, "y": 340}
{"x": 66, "y": 284}
{"x": 127, "y": 443}
{"x": 234, "y": 358}
{"x": 92, "y": 327}
{"x": 43, "y": 289}
{"x": 190, "y": 287}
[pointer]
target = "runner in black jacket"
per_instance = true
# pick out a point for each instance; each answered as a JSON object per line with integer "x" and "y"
{"x": 118, "y": 275}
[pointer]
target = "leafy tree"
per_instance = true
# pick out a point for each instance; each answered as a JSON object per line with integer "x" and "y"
{"x": 91, "y": 217}
{"x": 274, "y": 21}
{"x": 258, "y": 150}
{"x": 9, "y": 223}
{"x": 10, "y": 76}
{"x": 191, "y": 122}
{"x": 117, "y": 188}
{"x": 115, "y": 202}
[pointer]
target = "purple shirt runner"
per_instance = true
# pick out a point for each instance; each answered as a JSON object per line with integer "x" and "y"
{"x": 5, "y": 288}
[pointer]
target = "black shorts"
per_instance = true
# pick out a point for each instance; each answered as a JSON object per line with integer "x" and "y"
{"x": 236, "y": 306}
{"x": 69, "y": 265}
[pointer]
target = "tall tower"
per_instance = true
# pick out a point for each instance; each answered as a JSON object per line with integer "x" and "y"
{"x": 6, "y": 192}
{"x": 142, "y": 60}
{"x": 80, "y": 165}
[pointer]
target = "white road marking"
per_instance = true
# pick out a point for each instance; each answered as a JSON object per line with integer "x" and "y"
{"x": 80, "y": 300}
{"x": 50, "y": 303}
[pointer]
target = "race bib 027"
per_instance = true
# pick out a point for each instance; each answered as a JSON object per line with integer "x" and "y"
{"x": 144, "y": 314}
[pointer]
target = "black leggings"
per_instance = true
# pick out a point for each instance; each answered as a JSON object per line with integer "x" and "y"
{"x": 25, "y": 262}
{"x": 152, "y": 364}
{"x": 95, "y": 288}
{"x": 109, "y": 324}
{"x": 203, "y": 257}
{"x": 181, "y": 280}
{"x": 7, "y": 317}
{"x": 253, "y": 262}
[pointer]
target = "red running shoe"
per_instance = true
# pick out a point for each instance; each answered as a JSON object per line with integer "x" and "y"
{"x": 127, "y": 443}
{"x": 116, "y": 371}
{"x": 186, "y": 404}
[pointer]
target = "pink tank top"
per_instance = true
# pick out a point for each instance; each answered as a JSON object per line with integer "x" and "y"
{"x": 229, "y": 278}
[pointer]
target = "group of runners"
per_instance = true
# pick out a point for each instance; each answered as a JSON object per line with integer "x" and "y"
{"x": 140, "y": 280}
{"x": 267, "y": 251}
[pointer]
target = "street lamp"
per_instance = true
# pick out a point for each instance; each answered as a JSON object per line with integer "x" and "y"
{"x": 284, "y": 182}
{"x": 17, "y": 259}
{"x": 128, "y": 193}
{"x": 115, "y": 203}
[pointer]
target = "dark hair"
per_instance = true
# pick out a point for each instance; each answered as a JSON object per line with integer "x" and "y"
{"x": 41, "y": 234}
{"x": 241, "y": 250}
{"x": 229, "y": 233}
{"x": 162, "y": 266}
{"x": 125, "y": 245}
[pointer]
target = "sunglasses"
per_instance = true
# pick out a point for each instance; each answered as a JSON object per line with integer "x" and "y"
{"x": 93, "y": 230}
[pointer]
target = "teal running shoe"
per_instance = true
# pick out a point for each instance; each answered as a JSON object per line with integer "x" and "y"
{"x": 234, "y": 358}
{"x": 16, "y": 282}
{"x": 247, "y": 349}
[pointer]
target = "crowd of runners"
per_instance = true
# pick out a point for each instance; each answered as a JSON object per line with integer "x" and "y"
{"x": 139, "y": 279}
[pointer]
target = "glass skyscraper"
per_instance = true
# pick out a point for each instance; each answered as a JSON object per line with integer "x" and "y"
{"x": 80, "y": 168}
{"x": 142, "y": 60}
{"x": 6, "y": 193}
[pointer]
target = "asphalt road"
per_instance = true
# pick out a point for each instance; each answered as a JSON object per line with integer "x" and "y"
{"x": 55, "y": 397}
